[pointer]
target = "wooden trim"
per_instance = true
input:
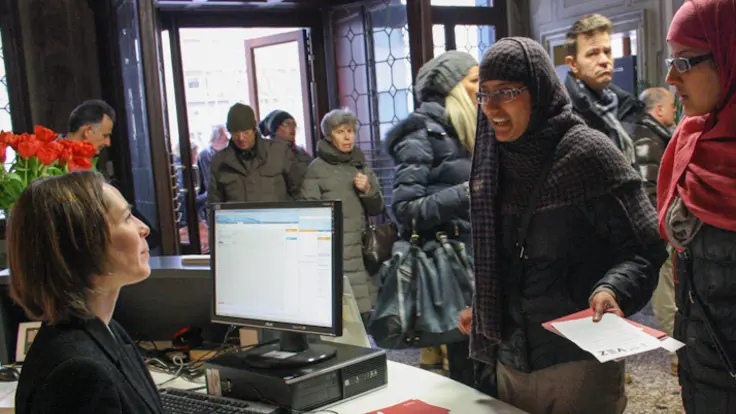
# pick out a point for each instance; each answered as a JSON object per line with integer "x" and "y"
{"x": 370, "y": 68}
{"x": 15, "y": 68}
{"x": 421, "y": 44}
{"x": 149, "y": 45}
{"x": 450, "y": 42}
{"x": 229, "y": 5}
{"x": 321, "y": 44}
{"x": 295, "y": 36}
{"x": 478, "y": 16}
{"x": 112, "y": 89}
{"x": 185, "y": 147}
{"x": 240, "y": 18}
{"x": 330, "y": 63}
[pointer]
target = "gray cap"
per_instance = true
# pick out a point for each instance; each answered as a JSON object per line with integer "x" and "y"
{"x": 439, "y": 76}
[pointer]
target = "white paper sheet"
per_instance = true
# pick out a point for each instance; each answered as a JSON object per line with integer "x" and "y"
{"x": 671, "y": 344}
{"x": 609, "y": 339}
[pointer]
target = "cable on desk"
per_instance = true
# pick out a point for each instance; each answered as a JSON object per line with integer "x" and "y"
{"x": 193, "y": 367}
{"x": 178, "y": 361}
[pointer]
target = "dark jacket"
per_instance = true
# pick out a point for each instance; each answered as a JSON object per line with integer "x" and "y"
{"x": 303, "y": 157}
{"x": 713, "y": 253}
{"x": 650, "y": 140}
{"x": 79, "y": 367}
{"x": 571, "y": 251}
{"x": 630, "y": 109}
{"x": 269, "y": 173}
{"x": 432, "y": 171}
{"x": 330, "y": 177}
{"x": 204, "y": 167}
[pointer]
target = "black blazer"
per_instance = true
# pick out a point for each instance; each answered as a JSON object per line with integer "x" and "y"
{"x": 79, "y": 367}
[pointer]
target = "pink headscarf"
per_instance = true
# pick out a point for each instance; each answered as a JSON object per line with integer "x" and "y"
{"x": 700, "y": 162}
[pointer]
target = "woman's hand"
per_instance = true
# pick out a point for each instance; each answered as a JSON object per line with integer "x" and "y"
{"x": 464, "y": 320}
{"x": 361, "y": 182}
{"x": 603, "y": 302}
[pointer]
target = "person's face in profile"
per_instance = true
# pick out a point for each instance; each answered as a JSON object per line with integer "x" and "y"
{"x": 99, "y": 134}
{"x": 699, "y": 87}
{"x": 128, "y": 253}
{"x": 470, "y": 83}
{"x": 287, "y": 130}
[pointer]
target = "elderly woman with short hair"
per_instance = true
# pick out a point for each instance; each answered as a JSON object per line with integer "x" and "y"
{"x": 340, "y": 172}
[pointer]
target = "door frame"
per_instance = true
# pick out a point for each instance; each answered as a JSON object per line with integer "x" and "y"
{"x": 300, "y": 37}
{"x": 185, "y": 148}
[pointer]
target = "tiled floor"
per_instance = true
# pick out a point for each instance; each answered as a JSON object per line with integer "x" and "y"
{"x": 653, "y": 389}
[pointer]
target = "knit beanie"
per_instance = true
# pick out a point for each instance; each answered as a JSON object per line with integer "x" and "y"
{"x": 440, "y": 75}
{"x": 240, "y": 118}
{"x": 275, "y": 119}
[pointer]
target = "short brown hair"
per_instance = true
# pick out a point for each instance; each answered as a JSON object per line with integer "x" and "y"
{"x": 58, "y": 236}
{"x": 587, "y": 25}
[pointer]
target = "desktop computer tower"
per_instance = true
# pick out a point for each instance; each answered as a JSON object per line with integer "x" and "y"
{"x": 354, "y": 371}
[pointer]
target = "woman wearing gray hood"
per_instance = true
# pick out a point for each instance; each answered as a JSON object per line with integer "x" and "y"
{"x": 340, "y": 172}
{"x": 431, "y": 149}
{"x": 561, "y": 223}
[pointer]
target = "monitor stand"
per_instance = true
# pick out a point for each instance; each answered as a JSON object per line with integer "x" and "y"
{"x": 293, "y": 350}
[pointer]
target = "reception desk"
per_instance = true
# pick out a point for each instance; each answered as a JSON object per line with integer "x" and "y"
{"x": 173, "y": 297}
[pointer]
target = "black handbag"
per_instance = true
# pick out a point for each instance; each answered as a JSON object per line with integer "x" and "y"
{"x": 424, "y": 289}
{"x": 378, "y": 240}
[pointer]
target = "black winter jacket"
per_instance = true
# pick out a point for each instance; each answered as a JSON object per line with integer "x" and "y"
{"x": 713, "y": 254}
{"x": 650, "y": 140}
{"x": 570, "y": 252}
{"x": 432, "y": 170}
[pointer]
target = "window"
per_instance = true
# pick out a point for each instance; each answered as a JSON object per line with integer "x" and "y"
{"x": 6, "y": 124}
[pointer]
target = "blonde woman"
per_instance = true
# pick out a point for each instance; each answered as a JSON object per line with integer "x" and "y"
{"x": 432, "y": 150}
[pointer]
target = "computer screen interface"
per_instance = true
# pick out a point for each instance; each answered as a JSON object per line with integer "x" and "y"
{"x": 278, "y": 267}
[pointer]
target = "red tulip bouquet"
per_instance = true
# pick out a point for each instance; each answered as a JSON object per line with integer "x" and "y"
{"x": 39, "y": 155}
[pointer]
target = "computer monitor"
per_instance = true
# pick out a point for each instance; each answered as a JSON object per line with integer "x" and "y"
{"x": 279, "y": 266}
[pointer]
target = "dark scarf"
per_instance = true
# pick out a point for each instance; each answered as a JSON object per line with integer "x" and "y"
{"x": 586, "y": 165}
{"x": 245, "y": 154}
{"x": 606, "y": 107}
{"x": 332, "y": 155}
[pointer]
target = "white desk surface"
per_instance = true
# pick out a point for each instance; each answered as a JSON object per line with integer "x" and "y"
{"x": 404, "y": 383}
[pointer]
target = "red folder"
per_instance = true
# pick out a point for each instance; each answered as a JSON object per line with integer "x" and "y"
{"x": 411, "y": 407}
{"x": 588, "y": 313}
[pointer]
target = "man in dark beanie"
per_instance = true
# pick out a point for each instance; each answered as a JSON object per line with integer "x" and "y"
{"x": 251, "y": 168}
{"x": 280, "y": 126}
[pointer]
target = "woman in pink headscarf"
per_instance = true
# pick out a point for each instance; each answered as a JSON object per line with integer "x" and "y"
{"x": 697, "y": 201}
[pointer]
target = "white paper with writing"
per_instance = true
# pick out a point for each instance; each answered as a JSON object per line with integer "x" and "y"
{"x": 609, "y": 339}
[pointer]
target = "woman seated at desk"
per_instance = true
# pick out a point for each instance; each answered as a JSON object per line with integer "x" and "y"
{"x": 73, "y": 243}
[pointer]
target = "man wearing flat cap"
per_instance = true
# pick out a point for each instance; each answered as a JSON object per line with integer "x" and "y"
{"x": 251, "y": 168}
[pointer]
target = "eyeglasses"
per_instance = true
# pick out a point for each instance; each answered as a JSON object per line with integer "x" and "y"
{"x": 685, "y": 64}
{"x": 500, "y": 96}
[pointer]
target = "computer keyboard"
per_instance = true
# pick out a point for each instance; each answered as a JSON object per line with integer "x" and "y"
{"x": 189, "y": 402}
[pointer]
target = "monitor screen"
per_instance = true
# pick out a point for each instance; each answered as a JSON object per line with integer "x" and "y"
{"x": 278, "y": 265}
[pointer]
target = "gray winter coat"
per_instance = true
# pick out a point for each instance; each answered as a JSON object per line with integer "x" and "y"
{"x": 330, "y": 177}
